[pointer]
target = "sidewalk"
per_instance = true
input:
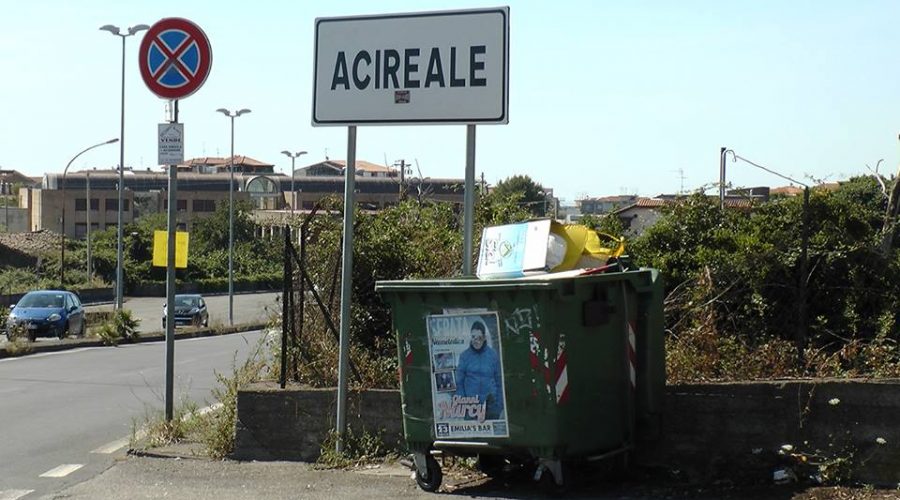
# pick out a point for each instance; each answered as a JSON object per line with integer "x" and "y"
{"x": 175, "y": 472}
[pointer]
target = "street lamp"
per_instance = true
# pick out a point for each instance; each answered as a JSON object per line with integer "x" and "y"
{"x": 119, "y": 274}
{"x": 231, "y": 115}
{"x": 292, "y": 156}
{"x": 62, "y": 228}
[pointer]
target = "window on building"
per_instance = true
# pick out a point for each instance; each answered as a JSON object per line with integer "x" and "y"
{"x": 204, "y": 206}
{"x": 95, "y": 204}
{"x": 181, "y": 206}
{"x": 112, "y": 205}
{"x": 80, "y": 204}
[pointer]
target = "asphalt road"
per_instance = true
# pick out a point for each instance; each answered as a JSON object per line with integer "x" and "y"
{"x": 65, "y": 417}
{"x": 247, "y": 308}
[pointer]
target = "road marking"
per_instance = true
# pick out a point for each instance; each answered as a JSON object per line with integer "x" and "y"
{"x": 47, "y": 354}
{"x": 112, "y": 447}
{"x": 210, "y": 408}
{"x": 62, "y": 471}
{"x": 13, "y": 494}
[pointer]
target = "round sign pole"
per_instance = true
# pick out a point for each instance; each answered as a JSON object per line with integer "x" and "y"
{"x": 175, "y": 59}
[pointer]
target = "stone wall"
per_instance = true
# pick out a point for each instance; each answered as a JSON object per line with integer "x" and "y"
{"x": 710, "y": 431}
{"x": 734, "y": 431}
{"x": 275, "y": 424}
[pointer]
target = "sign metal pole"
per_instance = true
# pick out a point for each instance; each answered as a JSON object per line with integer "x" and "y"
{"x": 170, "y": 280}
{"x": 87, "y": 194}
{"x": 346, "y": 285}
{"x": 469, "y": 201}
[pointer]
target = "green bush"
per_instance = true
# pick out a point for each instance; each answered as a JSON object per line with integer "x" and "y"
{"x": 121, "y": 327}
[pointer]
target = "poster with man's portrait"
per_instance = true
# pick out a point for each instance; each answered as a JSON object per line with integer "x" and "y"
{"x": 467, "y": 384}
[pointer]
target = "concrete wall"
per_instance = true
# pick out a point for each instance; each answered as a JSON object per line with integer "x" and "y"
{"x": 15, "y": 220}
{"x": 710, "y": 431}
{"x": 290, "y": 425}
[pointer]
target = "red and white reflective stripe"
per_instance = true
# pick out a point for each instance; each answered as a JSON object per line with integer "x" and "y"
{"x": 562, "y": 375}
{"x": 632, "y": 358}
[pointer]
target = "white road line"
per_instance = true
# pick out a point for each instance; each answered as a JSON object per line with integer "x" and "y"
{"x": 204, "y": 411}
{"x": 13, "y": 494}
{"x": 62, "y": 471}
{"x": 112, "y": 447}
{"x": 47, "y": 354}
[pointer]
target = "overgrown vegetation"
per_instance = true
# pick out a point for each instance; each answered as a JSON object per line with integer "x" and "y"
{"x": 155, "y": 431}
{"x": 733, "y": 294}
{"x": 217, "y": 427}
{"x": 358, "y": 448}
{"x": 732, "y": 283}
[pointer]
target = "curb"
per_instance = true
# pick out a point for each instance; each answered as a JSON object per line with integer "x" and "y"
{"x": 70, "y": 343}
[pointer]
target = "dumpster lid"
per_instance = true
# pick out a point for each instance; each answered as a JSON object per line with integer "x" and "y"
{"x": 538, "y": 281}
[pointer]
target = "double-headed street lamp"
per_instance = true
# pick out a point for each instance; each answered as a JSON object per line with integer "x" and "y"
{"x": 62, "y": 228}
{"x": 119, "y": 263}
{"x": 292, "y": 156}
{"x": 231, "y": 115}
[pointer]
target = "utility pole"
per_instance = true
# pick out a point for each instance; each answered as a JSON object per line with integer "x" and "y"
{"x": 402, "y": 194}
{"x": 722, "y": 178}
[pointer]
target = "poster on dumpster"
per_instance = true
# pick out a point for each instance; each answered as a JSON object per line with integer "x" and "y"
{"x": 467, "y": 386}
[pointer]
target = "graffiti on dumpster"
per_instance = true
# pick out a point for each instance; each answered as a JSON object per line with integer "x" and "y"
{"x": 522, "y": 320}
{"x": 467, "y": 383}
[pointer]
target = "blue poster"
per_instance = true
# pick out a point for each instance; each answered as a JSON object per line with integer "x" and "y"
{"x": 467, "y": 384}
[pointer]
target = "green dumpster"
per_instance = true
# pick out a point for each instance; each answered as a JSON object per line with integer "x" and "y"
{"x": 553, "y": 368}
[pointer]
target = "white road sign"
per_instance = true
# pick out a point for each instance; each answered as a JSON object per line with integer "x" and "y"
{"x": 171, "y": 143}
{"x": 447, "y": 67}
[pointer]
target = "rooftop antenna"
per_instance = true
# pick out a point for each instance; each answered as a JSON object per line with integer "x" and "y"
{"x": 681, "y": 177}
{"x": 326, "y": 154}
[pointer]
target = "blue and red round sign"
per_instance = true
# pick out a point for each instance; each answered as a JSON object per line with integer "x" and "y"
{"x": 175, "y": 58}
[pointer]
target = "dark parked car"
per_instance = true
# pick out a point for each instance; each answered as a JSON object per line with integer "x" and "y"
{"x": 47, "y": 313}
{"x": 189, "y": 310}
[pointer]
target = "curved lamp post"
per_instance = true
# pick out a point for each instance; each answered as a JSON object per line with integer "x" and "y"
{"x": 292, "y": 156}
{"x": 232, "y": 116}
{"x": 801, "y": 334}
{"x": 62, "y": 228}
{"x": 119, "y": 263}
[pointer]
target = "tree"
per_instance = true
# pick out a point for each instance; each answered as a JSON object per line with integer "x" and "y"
{"x": 528, "y": 193}
{"x": 211, "y": 233}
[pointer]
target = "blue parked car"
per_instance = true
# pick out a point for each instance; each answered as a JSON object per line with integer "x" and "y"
{"x": 47, "y": 313}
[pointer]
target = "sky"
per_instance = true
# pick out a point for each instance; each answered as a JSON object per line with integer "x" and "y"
{"x": 606, "y": 97}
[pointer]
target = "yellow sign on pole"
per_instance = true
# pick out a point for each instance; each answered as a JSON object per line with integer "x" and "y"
{"x": 160, "y": 248}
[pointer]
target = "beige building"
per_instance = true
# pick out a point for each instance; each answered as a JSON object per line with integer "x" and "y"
{"x": 203, "y": 184}
{"x": 145, "y": 193}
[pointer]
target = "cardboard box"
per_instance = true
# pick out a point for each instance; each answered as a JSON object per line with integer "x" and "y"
{"x": 542, "y": 246}
{"x": 514, "y": 250}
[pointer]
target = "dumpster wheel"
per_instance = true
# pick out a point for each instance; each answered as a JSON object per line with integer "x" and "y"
{"x": 431, "y": 479}
{"x": 491, "y": 465}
